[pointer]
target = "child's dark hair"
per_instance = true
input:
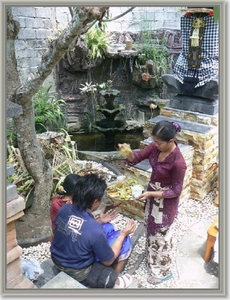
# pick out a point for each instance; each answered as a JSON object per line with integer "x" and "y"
{"x": 69, "y": 184}
{"x": 89, "y": 187}
{"x": 165, "y": 130}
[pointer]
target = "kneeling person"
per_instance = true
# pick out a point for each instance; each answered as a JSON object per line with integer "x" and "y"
{"x": 79, "y": 240}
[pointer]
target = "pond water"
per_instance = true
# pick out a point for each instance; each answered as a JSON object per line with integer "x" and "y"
{"x": 97, "y": 141}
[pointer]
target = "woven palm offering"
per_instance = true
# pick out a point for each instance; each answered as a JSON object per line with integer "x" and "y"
{"x": 125, "y": 150}
{"x": 122, "y": 192}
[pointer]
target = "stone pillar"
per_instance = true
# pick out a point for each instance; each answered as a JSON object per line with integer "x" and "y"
{"x": 15, "y": 205}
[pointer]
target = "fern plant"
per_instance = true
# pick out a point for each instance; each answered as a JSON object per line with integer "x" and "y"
{"x": 97, "y": 41}
{"x": 48, "y": 110}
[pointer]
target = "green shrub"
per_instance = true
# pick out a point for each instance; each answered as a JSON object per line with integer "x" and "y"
{"x": 48, "y": 110}
{"x": 151, "y": 50}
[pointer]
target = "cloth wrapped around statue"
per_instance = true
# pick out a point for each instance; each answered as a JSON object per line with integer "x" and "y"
{"x": 207, "y": 53}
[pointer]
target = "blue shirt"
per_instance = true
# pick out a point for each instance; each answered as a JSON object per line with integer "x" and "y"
{"x": 78, "y": 239}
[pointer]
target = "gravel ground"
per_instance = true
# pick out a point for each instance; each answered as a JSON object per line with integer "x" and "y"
{"x": 190, "y": 213}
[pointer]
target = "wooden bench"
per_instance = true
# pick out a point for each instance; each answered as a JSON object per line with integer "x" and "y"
{"x": 211, "y": 239}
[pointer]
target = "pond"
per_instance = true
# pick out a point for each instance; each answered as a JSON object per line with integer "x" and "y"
{"x": 97, "y": 141}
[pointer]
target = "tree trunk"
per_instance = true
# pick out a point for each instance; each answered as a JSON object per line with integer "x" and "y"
{"x": 30, "y": 150}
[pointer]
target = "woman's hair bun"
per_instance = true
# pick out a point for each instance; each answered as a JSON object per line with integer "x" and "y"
{"x": 177, "y": 127}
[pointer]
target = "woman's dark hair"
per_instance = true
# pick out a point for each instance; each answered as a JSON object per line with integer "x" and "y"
{"x": 89, "y": 188}
{"x": 165, "y": 130}
{"x": 69, "y": 184}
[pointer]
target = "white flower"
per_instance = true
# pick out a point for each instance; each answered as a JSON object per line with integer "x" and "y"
{"x": 88, "y": 87}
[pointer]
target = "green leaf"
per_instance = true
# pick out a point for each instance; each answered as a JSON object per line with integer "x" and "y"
{"x": 216, "y": 14}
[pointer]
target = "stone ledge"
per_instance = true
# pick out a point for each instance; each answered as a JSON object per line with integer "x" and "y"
{"x": 190, "y": 116}
{"x": 13, "y": 254}
{"x": 9, "y": 170}
{"x": 15, "y": 206}
{"x": 63, "y": 281}
{"x": 11, "y": 192}
{"x": 185, "y": 125}
{"x": 15, "y": 217}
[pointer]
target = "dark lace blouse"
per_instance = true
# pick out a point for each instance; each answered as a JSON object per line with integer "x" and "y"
{"x": 169, "y": 173}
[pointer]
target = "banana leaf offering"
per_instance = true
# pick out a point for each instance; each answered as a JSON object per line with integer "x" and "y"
{"x": 122, "y": 190}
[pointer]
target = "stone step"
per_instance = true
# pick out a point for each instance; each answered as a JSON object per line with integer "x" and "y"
{"x": 11, "y": 192}
{"x": 50, "y": 271}
{"x": 9, "y": 170}
{"x": 190, "y": 116}
{"x": 63, "y": 281}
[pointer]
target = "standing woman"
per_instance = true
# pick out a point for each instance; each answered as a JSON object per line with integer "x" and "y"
{"x": 162, "y": 195}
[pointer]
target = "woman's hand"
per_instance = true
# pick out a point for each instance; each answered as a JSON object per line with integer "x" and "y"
{"x": 145, "y": 196}
{"x": 107, "y": 217}
{"x": 149, "y": 194}
{"x": 122, "y": 146}
{"x": 126, "y": 151}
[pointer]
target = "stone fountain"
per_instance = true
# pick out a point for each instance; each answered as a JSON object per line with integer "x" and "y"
{"x": 111, "y": 124}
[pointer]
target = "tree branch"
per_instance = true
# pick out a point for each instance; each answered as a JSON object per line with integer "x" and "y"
{"x": 71, "y": 11}
{"x": 119, "y": 16}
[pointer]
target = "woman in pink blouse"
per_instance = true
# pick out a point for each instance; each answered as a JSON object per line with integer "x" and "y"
{"x": 162, "y": 195}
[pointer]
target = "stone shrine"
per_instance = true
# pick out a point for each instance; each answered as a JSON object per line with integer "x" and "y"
{"x": 193, "y": 86}
{"x": 193, "y": 93}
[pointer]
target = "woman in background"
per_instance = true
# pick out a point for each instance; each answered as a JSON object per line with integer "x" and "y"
{"x": 64, "y": 196}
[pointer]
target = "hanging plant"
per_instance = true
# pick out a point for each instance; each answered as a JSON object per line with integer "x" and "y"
{"x": 97, "y": 42}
